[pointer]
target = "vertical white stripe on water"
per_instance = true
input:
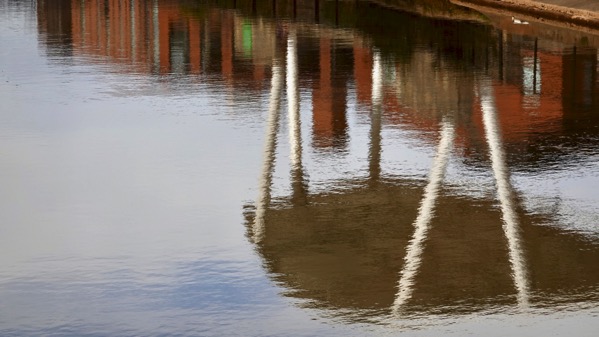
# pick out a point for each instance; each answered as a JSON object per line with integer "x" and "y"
{"x": 426, "y": 212}
{"x": 374, "y": 155}
{"x": 504, "y": 192}
{"x": 377, "y": 80}
{"x": 293, "y": 102}
{"x": 270, "y": 144}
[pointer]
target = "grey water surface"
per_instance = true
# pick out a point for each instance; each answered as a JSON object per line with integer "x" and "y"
{"x": 295, "y": 168}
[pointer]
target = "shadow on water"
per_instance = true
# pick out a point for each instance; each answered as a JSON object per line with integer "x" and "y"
{"x": 486, "y": 97}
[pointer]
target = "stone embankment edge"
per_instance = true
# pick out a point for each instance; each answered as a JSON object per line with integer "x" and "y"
{"x": 567, "y": 16}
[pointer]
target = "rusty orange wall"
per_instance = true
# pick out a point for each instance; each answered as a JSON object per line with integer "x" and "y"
{"x": 516, "y": 116}
{"x": 322, "y": 96}
{"x": 363, "y": 73}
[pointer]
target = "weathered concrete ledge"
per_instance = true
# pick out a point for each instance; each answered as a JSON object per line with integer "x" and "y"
{"x": 438, "y": 9}
{"x": 540, "y": 11}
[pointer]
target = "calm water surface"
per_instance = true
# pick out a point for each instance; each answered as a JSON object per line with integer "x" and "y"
{"x": 239, "y": 168}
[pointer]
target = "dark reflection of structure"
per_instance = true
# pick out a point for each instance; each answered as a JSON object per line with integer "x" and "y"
{"x": 346, "y": 250}
{"x": 394, "y": 248}
{"x": 434, "y": 62}
{"x": 580, "y": 89}
{"x": 329, "y": 94}
{"x": 55, "y": 25}
{"x": 426, "y": 74}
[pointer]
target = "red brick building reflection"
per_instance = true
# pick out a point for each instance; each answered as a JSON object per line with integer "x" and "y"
{"x": 538, "y": 91}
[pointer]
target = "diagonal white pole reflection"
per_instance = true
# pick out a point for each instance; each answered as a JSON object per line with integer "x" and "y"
{"x": 426, "y": 213}
{"x": 264, "y": 192}
{"x": 505, "y": 195}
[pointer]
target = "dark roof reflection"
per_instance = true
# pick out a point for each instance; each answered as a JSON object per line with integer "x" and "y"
{"x": 344, "y": 250}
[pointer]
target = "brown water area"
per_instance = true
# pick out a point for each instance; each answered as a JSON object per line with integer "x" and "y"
{"x": 296, "y": 168}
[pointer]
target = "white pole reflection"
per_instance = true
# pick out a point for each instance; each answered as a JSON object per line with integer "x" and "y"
{"x": 270, "y": 146}
{"x": 293, "y": 102}
{"x": 504, "y": 192}
{"x": 375, "y": 118}
{"x": 299, "y": 196}
{"x": 426, "y": 212}
{"x": 377, "y": 79}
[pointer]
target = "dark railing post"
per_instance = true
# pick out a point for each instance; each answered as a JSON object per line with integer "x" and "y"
{"x": 336, "y": 12}
{"x": 294, "y": 9}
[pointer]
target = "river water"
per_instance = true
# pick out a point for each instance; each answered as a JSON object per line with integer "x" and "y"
{"x": 295, "y": 168}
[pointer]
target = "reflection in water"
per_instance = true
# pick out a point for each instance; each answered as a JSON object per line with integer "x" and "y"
{"x": 374, "y": 156}
{"x": 426, "y": 213}
{"x": 293, "y": 106}
{"x": 370, "y": 235}
{"x": 263, "y": 201}
{"x": 504, "y": 193}
{"x": 323, "y": 247}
